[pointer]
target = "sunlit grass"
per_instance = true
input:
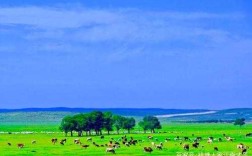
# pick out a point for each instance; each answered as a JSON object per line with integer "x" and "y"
{"x": 45, "y": 147}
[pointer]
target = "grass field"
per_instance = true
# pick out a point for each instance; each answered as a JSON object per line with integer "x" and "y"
{"x": 45, "y": 147}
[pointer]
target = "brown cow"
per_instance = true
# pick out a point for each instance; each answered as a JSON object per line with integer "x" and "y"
{"x": 85, "y": 146}
{"x": 186, "y": 147}
{"x": 148, "y": 149}
{"x": 54, "y": 140}
{"x": 20, "y": 145}
{"x": 77, "y": 141}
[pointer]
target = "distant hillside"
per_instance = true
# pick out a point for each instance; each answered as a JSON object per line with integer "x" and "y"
{"x": 54, "y": 115}
{"x": 120, "y": 111}
{"x": 228, "y": 114}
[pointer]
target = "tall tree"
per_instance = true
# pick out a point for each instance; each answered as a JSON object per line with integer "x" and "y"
{"x": 240, "y": 122}
{"x": 129, "y": 123}
{"x": 108, "y": 121}
{"x": 68, "y": 124}
{"x": 144, "y": 125}
{"x": 82, "y": 123}
{"x": 150, "y": 123}
{"x": 118, "y": 122}
{"x": 97, "y": 120}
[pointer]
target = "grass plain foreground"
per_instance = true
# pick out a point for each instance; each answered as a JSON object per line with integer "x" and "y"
{"x": 44, "y": 133}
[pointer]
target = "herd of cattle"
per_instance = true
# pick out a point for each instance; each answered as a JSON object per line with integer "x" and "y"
{"x": 185, "y": 142}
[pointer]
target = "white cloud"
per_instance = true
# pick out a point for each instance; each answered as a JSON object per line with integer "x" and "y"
{"x": 60, "y": 29}
{"x": 48, "y": 18}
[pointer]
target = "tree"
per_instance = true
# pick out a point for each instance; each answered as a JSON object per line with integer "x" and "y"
{"x": 129, "y": 123}
{"x": 82, "y": 123}
{"x": 108, "y": 121}
{"x": 150, "y": 123}
{"x": 239, "y": 121}
{"x": 97, "y": 120}
{"x": 87, "y": 124}
{"x": 68, "y": 124}
{"x": 118, "y": 122}
{"x": 144, "y": 125}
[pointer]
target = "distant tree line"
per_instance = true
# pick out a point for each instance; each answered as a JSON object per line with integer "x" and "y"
{"x": 98, "y": 121}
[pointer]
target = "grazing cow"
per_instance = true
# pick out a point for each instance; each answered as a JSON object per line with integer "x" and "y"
{"x": 115, "y": 146}
{"x": 220, "y": 140}
{"x": 134, "y": 142}
{"x": 229, "y": 138}
{"x": 195, "y": 145}
{"x": 243, "y": 148}
{"x": 54, "y": 140}
{"x": 85, "y": 146}
{"x": 248, "y": 135}
{"x": 199, "y": 138}
{"x": 9, "y": 144}
{"x": 209, "y": 141}
{"x": 240, "y": 146}
{"x": 34, "y": 142}
{"x": 148, "y": 149}
{"x": 20, "y": 145}
{"x": 211, "y": 138}
{"x": 111, "y": 150}
{"x": 160, "y": 146}
{"x": 61, "y": 142}
{"x": 96, "y": 144}
{"x": 89, "y": 139}
{"x": 244, "y": 151}
{"x": 150, "y": 137}
{"x": 176, "y": 138}
{"x": 77, "y": 141}
{"x": 186, "y": 147}
{"x": 216, "y": 148}
{"x": 64, "y": 140}
{"x": 102, "y": 137}
{"x": 119, "y": 143}
{"x": 186, "y": 138}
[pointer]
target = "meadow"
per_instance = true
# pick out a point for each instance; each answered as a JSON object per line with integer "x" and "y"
{"x": 43, "y": 133}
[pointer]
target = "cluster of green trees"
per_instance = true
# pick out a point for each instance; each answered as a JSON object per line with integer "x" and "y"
{"x": 240, "y": 122}
{"x": 97, "y": 121}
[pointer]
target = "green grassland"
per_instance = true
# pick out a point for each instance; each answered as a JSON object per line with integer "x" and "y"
{"x": 45, "y": 147}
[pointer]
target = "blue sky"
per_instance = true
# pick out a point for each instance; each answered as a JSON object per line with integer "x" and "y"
{"x": 110, "y": 53}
